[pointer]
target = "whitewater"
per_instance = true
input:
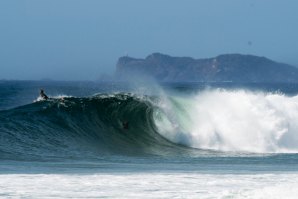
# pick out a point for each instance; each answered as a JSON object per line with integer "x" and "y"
{"x": 233, "y": 121}
{"x": 186, "y": 140}
{"x": 166, "y": 185}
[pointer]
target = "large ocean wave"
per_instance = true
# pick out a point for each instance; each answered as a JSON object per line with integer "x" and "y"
{"x": 219, "y": 120}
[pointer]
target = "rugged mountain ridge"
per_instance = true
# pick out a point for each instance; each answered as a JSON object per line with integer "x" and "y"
{"x": 227, "y": 67}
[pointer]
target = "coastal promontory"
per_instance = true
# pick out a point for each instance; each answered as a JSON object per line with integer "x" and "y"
{"x": 223, "y": 68}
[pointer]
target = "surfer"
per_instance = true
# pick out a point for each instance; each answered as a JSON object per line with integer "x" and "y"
{"x": 43, "y": 95}
{"x": 125, "y": 125}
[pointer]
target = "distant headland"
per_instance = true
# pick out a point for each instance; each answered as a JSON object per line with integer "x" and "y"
{"x": 223, "y": 68}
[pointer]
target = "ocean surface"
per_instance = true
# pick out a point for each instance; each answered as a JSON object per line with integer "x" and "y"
{"x": 148, "y": 140}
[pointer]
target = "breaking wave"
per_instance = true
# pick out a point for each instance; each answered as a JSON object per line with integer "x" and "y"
{"x": 233, "y": 121}
{"x": 219, "y": 120}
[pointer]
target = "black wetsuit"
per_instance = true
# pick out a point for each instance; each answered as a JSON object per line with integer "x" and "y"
{"x": 125, "y": 125}
{"x": 43, "y": 95}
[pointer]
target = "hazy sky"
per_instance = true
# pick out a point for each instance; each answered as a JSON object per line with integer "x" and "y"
{"x": 80, "y": 39}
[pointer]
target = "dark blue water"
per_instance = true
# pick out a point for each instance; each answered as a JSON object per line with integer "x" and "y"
{"x": 80, "y": 128}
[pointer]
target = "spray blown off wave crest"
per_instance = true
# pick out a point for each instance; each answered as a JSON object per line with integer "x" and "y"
{"x": 232, "y": 121}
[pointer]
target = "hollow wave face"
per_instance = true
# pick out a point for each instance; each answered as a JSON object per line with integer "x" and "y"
{"x": 80, "y": 128}
{"x": 231, "y": 121}
{"x": 220, "y": 120}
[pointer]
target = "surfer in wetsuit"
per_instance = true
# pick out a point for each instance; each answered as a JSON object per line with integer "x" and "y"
{"x": 43, "y": 95}
{"x": 125, "y": 125}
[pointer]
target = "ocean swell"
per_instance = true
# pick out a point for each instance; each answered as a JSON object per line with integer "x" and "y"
{"x": 81, "y": 127}
{"x": 217, "y": 120}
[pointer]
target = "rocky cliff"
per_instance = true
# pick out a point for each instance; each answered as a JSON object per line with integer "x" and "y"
{"x": 228, "y": 67}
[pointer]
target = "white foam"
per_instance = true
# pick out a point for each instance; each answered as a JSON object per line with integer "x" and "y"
{"x": 232, "y": 121}
{"x": 60, "y": 96}
{"x": 149, "y": 185}
{"x": 53, "y": 97}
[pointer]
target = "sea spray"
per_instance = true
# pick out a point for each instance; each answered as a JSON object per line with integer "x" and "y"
{"x": 231, "y": 121}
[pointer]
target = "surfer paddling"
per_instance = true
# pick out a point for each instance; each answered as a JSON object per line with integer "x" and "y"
{"x": 43, "y": 95}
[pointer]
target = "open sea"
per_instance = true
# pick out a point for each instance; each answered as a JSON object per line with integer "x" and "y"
{"x": 148, "y": 140}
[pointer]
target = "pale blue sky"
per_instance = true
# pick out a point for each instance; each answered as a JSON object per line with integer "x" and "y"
{"x": 80, "y": 39}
